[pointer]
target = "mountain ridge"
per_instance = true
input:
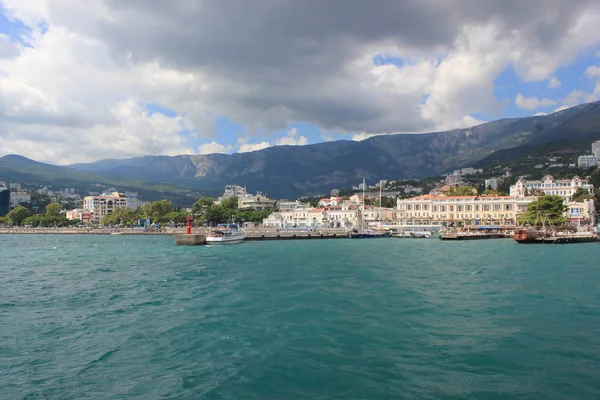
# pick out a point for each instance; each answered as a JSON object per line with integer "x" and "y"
{"x": 292, "y": 171}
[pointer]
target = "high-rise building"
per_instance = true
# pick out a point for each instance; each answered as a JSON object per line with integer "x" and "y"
{"x": 4, "y": 201}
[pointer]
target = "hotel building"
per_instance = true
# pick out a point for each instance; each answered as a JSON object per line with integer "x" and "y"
{"x": 431, "y": 209}
{"x": 548, "y": 185}
{"x": 103, "y": 205}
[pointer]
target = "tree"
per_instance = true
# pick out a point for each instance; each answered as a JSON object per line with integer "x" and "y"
{"x": 463, "y": 191}
{"x": 159, "y": 209}
{"x": 202, "y": 204}
{"x": 53, "y": 210}
{"x": 581, "y": 195}
{"x": 544, "y": 208}
{"x": 17, "y": 215}
{"x": 314, "y": 202}
{"x": 230, "y": 203}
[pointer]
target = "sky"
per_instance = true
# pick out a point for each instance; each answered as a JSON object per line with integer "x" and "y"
{"x": 82, "y": 81}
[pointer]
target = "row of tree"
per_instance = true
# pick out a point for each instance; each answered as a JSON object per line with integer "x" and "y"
{"x": 52, "y": 216}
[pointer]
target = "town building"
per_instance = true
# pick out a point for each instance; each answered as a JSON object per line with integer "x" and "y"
{"x": 332, "y": 201}
{"x": 81, "y": 214}
{"x": 454, "y": 179}
{"x": 233, "y": 191}
{"x": 258, "y": 202}
{"x": 103, "y": 205}
{"x": 596, "y": 149}
{"x": 587, "y": 161}
{"x": 548, "y": 185}
{"x": 431, "y": 209}
{"x": 4, "y": 201}
{"x": 470, "y": 171}
{"x": 492, "y": 183}
{"x": 581, "y": 213}
{"x": 20, "y": 197}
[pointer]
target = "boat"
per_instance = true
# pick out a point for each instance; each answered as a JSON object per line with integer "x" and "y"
{"x": 367, "y": 234}
{"x": 226, "y": 234}
{"x": 550, "y": 234}
{"x": 362, "y": 232}
{"x": 420, "y": 234}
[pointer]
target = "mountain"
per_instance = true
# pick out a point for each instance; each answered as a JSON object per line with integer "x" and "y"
{"x": 15, "y": 168}
{"x": 292, "y": 171}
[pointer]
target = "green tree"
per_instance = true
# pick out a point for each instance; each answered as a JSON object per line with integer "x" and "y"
{"x": 202, "y": 204}
{"x": 53, "y": 209}
{"x": 4, "y": 221}
{"x": 34, "y": 221}
{"x": 463, "y": 191}
{"x": 17, "y": 215}
{"x": 230, "y": 203}
{"x": 544, "y": 208}
{"x": 581, "y": 194}
{"x": 159, "y": 209}
{"x": 314, "y": 202}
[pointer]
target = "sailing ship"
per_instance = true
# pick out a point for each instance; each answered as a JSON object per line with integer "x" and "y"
{"x": 363, "y": 233}
{"x": 542, "y": 233}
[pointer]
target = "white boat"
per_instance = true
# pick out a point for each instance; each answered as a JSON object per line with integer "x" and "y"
{"x": 421, "y": 234}
{"x": 226, "y": 234}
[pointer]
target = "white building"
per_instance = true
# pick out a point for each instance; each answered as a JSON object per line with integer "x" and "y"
{"x": 587, "y": 161}
{"x": 596, "y": 149}
{"x": 548, "y": 185}
{"x": 470, "y": 171}
{"x": 329, "y": 202}
{"x": 257, "y": 202}
{"x": 454, "y": 179}
{"x": 233, "y": 191}
{"x": 103, "y": 205}
{"x": 492, "y": 183}
{"x": 19, "y": 197}
{"x": 581, "y": 213}
{"x": 433, "y": 209}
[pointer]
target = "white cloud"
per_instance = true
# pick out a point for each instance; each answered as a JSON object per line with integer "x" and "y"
{"x": 291, "y": 139}
{"x": 553, "y": 83}
{"x": 532, "y": 103}
{"x": 248, "y": 147}
{"x": 96, "y": 55}
{"x": 214, "y": 147}
{"x": 362, "y": 136}
{"x": 134, "y": 133}
{"x": 593, "y": 71}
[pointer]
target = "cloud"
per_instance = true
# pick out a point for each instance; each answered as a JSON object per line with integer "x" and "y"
{"x": 8, "y": 48}
{"x": 291, "y": 139}
{"x": 553, "y": 83}
{"x": 214, "y": 147}
{"x": 294, "y": 62}
{"x": 532, "y": 103}
{"x": 362, "y": 136}
{"x": 593, "y": 71}
{"x": 134, "y": 132}
{"x": 248, "y": 147}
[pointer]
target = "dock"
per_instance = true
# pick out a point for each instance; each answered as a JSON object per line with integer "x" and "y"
{"x": 473, "y": 236}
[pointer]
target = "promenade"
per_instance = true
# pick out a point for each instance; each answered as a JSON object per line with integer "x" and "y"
{"x": 251, "y": 234}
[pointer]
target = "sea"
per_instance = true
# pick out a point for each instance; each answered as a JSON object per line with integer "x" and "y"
{"x": 136, "y": 317}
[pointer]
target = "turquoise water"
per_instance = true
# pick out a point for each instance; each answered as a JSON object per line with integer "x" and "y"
{"x": 119, "y": 317}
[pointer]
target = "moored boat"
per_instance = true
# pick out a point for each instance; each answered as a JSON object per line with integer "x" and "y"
{"x": 226, "y": 234}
